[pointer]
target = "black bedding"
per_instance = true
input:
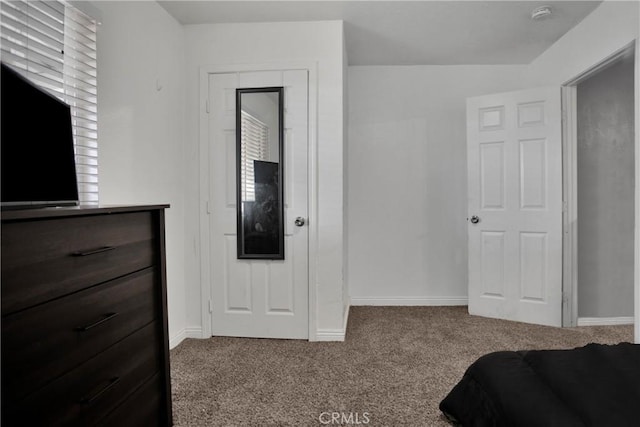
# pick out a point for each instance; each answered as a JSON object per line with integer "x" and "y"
{"x": 595, "y": 385}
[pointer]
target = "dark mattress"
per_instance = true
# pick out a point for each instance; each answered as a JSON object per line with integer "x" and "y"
{"x": 595, "y": 385}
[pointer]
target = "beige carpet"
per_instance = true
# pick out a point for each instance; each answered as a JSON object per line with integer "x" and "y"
{"x": 396, "y": 364}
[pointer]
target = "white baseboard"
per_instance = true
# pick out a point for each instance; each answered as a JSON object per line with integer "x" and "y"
{"x": 605, "y": 321}
{"x": 189, "y": 332}
{"x": 335, "y": 334}
{"x": 330, "y": 335}
{"x": 409, "y": 301}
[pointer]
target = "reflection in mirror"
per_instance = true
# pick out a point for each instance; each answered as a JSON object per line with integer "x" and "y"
{"x": 259, "y": 154}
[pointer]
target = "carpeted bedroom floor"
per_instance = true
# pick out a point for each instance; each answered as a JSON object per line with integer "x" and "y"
{"x": 395, "y": 366}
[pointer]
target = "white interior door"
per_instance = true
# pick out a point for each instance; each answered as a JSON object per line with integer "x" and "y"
{"x": 258, "y": 298}
{"x": 514, "y": 150}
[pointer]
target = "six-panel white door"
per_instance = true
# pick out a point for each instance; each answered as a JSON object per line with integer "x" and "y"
{"x": 258, "y": 298}
{"x": 514, "y": 150}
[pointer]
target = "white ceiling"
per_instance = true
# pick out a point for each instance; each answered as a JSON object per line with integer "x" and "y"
{"x": 412, "y": 32}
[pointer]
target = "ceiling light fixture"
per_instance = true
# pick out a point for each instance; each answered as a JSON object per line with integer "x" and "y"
{"x": 540, "y": 12}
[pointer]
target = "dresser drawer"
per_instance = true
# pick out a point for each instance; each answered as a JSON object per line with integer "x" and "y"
{"x": 86, "y": 394}
{"x": 46, "y": 259}
{"x": 144, "y": 407}
{"x": 43, "y": 342}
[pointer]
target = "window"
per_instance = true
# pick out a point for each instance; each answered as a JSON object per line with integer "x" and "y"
{"x": 255, "y": 146}
{"x": 54, "y": 45}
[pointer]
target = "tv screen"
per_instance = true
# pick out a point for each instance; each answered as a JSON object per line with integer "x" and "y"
{"x": 37, "y": 154}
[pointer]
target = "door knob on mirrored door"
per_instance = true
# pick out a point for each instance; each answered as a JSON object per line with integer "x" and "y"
{"x": 475, "y": 219}
{"x": 299, "y": 221}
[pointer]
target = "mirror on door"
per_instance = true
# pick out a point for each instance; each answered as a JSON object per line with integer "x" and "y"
{"x": 259, "y": 173}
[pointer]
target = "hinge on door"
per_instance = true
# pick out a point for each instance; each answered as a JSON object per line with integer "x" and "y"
{"x": 564, "y": 206}
{"x": 210, "y": 306}
{"x": 208, "y": 207}
{"x": 206, "y": 105}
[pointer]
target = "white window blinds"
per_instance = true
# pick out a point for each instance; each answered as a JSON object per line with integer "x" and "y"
{"x": 54, "y": 45}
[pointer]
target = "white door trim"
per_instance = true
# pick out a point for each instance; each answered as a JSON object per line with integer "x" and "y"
{"x": 570, "y": 207}
{"x": 205, "y": 265}
{"x": 570, "y": 183}
{"x": 637, "y": 167}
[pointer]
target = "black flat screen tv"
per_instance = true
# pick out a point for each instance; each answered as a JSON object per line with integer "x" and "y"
{"x": 37, "y": 153}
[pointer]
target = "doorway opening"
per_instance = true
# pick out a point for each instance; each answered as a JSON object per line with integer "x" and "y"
{"x": 599, "y": 193}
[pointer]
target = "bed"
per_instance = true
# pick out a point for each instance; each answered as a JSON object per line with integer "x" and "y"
{"x": 594, "y": 385}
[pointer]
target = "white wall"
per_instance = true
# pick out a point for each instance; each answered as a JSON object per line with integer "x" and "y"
{"x": 141, "y": 122}
{"x": 407, "y": 175}
{"x": 225, "y": 44}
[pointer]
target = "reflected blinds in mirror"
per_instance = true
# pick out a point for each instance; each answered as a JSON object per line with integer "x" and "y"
{"x": 255, "y": 146}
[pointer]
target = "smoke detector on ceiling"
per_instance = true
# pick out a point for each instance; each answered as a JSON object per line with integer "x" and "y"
{"x": 540, "y": 12}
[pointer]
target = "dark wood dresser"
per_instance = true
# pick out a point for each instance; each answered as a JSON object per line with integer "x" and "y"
{"x": 84, "y": 317}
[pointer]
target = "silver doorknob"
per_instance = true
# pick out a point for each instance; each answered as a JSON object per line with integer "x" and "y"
{"x": 475, "y": 219}
{"x": 299, "y": 221}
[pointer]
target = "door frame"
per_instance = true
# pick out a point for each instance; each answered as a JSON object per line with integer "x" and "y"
{"x": 312, "y": 171}
{"x": 570, "y": 184}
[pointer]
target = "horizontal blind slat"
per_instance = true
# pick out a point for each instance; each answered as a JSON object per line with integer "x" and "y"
{"x": 87, "y": 187}
{"x": 35, "y": 13}
{"x": 78, "y": 92}
{"x": 12, "y": 6}
{"x": 85, "y": 123}
{"x": 88, "y": 134}
{"x": 88, "y": 49}
{"x": 54, "y": 9}
{"x": 86, "y": 169}
{"x": 88, "y": 178}
{"x": 81, "y": 57}
{"x": 87, "y": 152}
{"x": 82, "y": 24}
{"x": 82, "y": 72}
{"x": 87, "y": 128}
{"x": 89, "y": 161}
{"x": 85, "y": 104}
{"x": 84, "y": 115}
{"x": 81, "y": 143}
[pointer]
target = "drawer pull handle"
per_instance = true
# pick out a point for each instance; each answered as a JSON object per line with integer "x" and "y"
{"x": 90, "y": 399}
{"x": 94, "y": 251}
{"x": 106, "y": 317}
